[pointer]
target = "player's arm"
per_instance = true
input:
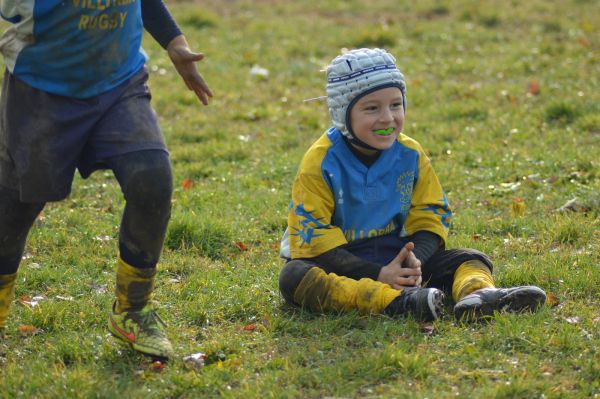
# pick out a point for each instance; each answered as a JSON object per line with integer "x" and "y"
{"x": 343, "y": 263}
{"x": 163, "y": 28}
{"x": 312, "y": 232}
{"x": 426, "y": 244}
{"x": 158, "y": 22}
{"x": 429, "y": 210}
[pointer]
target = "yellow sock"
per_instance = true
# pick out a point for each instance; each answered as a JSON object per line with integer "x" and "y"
{"x": 7, "y": 294}
{"x": 471, "y": 276}
{"x": 134, "y": 286}
{"x": 323, "y": 292}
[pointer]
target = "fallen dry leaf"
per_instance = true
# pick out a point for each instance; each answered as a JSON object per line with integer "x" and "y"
{"x": 573, "y": 205}
{"x": 249, "y": 327}
{"x": 157, "y": 365}
{"x": 186, "y": 184}
{"x": 545, "y": 369}
{"x": 29, "y": 301}
{"x": 552, "y": 300}
{"x": 28, "y": 330}
{"x": 583, "y": 41}
{"x": 241, "y": 246}
{"x": 518, "y": 207}
{"x": 533, "y": 87}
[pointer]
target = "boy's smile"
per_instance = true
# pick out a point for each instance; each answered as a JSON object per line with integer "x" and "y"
{"x": 377, "y": 118}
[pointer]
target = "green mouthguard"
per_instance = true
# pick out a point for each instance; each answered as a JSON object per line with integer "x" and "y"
{"x": 384, "y": 132}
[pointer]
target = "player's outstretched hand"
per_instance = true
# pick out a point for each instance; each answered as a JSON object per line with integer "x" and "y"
{"x": 403, "y": 271}
{"x": 184, "y": 61}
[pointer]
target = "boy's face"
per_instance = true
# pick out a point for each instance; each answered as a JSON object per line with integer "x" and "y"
{"x": 377, "y": 118}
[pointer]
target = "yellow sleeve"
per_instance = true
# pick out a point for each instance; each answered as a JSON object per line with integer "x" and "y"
{"x": 309, "y": 221}
{"x": 429, "y": 209}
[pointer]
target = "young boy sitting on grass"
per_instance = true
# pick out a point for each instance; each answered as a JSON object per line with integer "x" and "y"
{"x": 368, "y": 220}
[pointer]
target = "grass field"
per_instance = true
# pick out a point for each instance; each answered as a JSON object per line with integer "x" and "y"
{"x": 504, "y": 95}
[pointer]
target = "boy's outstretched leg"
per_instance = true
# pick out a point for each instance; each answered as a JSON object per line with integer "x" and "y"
{"x": 146, "y": 182}
{"x": 476, "y": 297}
{"x": 16, "y": 218}
{"x": 305, "y": 284}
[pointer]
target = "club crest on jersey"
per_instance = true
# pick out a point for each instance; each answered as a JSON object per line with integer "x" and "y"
{"x": 404, "y": 187}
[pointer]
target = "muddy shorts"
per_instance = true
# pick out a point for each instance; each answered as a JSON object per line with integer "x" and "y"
{"x": 45, "y": 137}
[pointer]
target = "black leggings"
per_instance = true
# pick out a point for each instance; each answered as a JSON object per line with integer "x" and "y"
{"x": 147, "y": 185}
{"x": 438, "y": 271}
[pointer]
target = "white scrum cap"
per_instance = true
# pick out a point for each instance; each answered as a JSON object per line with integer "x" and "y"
{"x": 354, "y": 74}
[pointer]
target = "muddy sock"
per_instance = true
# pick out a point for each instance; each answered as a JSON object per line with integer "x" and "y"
{"x": 7, "y": 294}
{"x": 320, "y": 291}
{"x": 469, "y": 277}
{"x": 134, "y": 286}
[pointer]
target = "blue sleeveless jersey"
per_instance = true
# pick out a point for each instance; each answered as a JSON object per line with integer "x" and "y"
{"x": 73, "y": 48}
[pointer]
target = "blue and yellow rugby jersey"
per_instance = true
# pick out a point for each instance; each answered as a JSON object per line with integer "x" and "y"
{"x": 337, "y": 199}
{"x": 73, "y": 48}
